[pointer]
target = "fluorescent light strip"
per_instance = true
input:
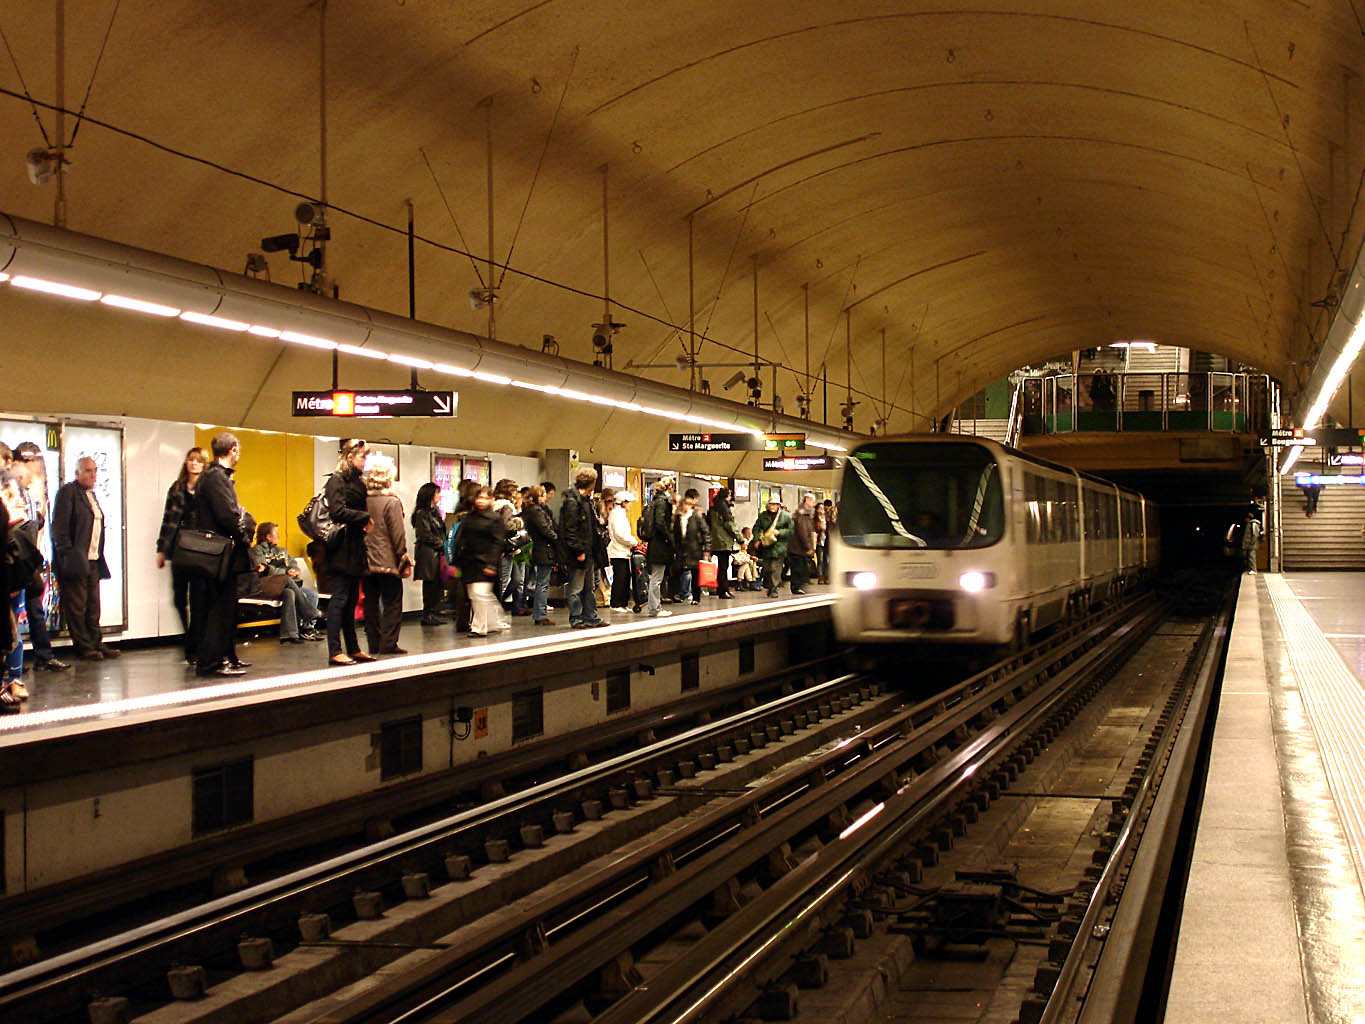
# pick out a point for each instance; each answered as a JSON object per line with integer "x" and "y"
{"x": 214, "y": 321}
{"x": 413, "y": 361}
{"x": 1340, "y": 368}
{"x": 66, "y": 291}
{"x": 310, "y": 340}
{"x": 4, "y": 278}
{"x": 139, "y": 305}
{"x": 263, "y": 332}
{"x": 365, "y": 353}
{"x": 491, "y": 378}
{"x": 454, "y": 371}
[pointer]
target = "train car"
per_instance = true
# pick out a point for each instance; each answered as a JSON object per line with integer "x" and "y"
{"x": 959, "y": 540}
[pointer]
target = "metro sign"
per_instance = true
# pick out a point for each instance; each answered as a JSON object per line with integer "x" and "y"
{"x": 375, "y": 404}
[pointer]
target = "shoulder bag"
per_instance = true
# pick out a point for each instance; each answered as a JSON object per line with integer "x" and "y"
{"x": 203, "y": 553}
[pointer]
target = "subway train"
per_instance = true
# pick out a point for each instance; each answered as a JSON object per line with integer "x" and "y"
{"x": 957, "y": 540}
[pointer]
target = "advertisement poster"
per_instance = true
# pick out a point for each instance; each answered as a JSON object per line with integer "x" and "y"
{"x": 105, "y": 446}
{"x": 478, "y": 470}
{"x": 445, "y": 474}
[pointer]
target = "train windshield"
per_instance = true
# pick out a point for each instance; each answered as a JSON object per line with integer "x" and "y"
{"x": 911, "y": 494}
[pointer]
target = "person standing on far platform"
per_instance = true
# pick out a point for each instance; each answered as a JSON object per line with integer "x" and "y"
{"x": 28, "y": 468}
{"x": 386, "y": 548}
{"x": 802, "y": 547}
{"x": 179, "y": 513}
{"x": 721, "y": 521}
{"x": 1251, "y": 540}
{"x": 581, "y": 535}
{"x": 773, "y": 528}
{"x": 347, "y": 562}
{"x": 220, "y": 512}
{"x": 657, "y": 533}
{"x": 478, "y": 551}
{"x": 429, "y": 526}
{"x": 78, "y": 556}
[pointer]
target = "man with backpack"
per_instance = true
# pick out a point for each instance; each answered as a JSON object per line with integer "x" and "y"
{"x": 655, "y": 528}
{"x": 773, "y": 528}
{"x": 1251, "y": 540}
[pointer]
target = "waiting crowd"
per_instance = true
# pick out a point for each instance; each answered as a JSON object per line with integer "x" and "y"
{"x": 502, "y": 552}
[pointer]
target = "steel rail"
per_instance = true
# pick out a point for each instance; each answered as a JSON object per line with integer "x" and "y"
{"x": 108, "y": 964}
{"x": 885, "y": 748}
{"x": 53, "y": 906}
{"x": 715, "y": 977}
{"x": 1113, "y": 990}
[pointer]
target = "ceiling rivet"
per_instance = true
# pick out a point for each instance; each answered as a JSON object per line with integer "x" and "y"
{"x": 635, "y": 146}
{"x": 952, "y": 56}
{"x": 535, "y": 86}
{"x": 990, "y": 115}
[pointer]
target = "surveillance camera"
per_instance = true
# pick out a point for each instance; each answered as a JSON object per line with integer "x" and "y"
{"x": 41, "y": 166}
{"x": 739, "y": 376}
{"x": 281, "y": 243}
{"x": 310, "y": 213}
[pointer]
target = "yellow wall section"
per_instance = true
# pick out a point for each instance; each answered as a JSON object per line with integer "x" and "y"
{"x": 274, "y": 478}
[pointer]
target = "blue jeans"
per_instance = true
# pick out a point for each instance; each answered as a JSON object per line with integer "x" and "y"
{"x": 504, "y": 578}
{"x": 685, "y": 592}
{"x": 541, "y": 577}
{"x": 517, "y": 584}
{"x": 14, "y": 660}
{"x": 582, "y": 603}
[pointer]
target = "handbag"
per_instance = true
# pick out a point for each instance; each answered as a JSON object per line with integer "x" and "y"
{"x": 706, "y": 574}
{"x": 514, "y": 542}
{"x": 272, "y": 587}
{"x": 203, "y": 553}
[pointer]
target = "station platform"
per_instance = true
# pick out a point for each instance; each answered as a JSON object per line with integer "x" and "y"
{"x": 1273, "y": 923}
{"x": 156, "y": 679}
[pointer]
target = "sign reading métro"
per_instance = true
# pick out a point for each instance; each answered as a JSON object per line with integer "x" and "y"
{"x": 374, "y": 404}
{"x": 714, "y": 443}
{"x": 784, "y": 442}
{"x": 800, "y": 462}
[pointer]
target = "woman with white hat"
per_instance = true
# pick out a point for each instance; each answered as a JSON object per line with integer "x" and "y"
{"x": 620, "y": 541}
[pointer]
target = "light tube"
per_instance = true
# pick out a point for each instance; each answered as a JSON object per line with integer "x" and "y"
{"x": 66, "y": 291}
{"x": 214, "y": 321}
{"x": 263, "y": 332}
{"x": 312, "y": 341}
{"x": 367, "y": 353}
{"x": 139, "y": 305}
{"x": 413, "y": 361}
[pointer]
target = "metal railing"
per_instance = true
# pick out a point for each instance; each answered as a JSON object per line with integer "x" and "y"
{"x": 1233, "y": 403}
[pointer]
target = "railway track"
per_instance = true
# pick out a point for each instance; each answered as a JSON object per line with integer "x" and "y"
{"x": 744, "y": 854}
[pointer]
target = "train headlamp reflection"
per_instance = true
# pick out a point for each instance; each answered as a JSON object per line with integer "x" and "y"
{"x": 974, "y": 582}
{"x": 863, "y": 580}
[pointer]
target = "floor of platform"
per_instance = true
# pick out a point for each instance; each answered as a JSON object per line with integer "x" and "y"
{"x": 1273, "y": 924}
{"x": 156, "y": 676}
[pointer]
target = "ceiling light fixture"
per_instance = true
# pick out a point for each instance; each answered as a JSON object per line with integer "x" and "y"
{"x": 66, "y": 291}
{"x": 60, "y": 262}
{"x": 139, "y": 305}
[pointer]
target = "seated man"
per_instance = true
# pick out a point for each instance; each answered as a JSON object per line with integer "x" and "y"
{"x": 282, "y": 581}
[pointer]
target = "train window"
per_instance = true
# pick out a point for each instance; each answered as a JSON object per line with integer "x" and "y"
{"x": 915, "y": 494}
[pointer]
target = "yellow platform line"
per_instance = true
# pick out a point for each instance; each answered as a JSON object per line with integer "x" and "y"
{"x": 1335, "y": 701}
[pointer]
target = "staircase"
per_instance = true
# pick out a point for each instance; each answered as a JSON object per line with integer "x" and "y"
{"x": 1164, "y": 359}
{"x": 1331, "y": 538}
{"x": 993, "y": 429}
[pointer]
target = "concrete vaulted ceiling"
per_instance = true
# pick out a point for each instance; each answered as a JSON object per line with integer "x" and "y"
{"x": 989, "y": 184}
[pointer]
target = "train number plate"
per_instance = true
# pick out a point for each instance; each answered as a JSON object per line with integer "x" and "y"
{"x": 919, "y": 571}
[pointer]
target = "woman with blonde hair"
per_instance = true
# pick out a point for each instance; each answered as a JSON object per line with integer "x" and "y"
{"x": 386, "y": 550}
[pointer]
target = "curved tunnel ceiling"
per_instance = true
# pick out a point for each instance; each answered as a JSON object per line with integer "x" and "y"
{"x": 986, "y": 186}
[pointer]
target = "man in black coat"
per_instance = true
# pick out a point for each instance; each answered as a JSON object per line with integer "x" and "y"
{"x": 220, "y": 512}
{"x": 581, "y": 535}
{"x": 78, "y": 556}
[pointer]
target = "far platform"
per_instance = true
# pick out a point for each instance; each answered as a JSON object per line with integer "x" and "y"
{"x": 150, "y": 680}
{"x": 1273, "y": 924}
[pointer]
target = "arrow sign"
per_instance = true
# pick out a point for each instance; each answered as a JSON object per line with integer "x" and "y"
{"x": 361, "y": 404}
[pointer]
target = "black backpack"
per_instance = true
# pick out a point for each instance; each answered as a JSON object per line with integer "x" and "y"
{"x": 642, "y": 525}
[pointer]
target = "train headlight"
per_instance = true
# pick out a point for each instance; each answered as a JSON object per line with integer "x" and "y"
{"x": 974, "y": 582}
{"x": 863, "y": 580}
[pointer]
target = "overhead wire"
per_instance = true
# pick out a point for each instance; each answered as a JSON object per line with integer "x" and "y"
{"x": 33, "y": 104}
{"x": 535, "y": 177}
{"x": 437, "y": 181}
{"x": 94, "y": 72}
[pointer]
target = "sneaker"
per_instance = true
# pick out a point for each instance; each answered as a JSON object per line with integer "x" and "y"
{"x": 623, "y": 611}
{"x": 477, "y": 636}
{"x": 50, "y": 665}
{"x": 798, "y": 593}
{"x": 596, "y": 622}
{"x": 543, "y": 622}
{"x": 661, "y": 613}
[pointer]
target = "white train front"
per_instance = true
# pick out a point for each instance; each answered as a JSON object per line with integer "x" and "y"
{"x": 951, "y": 539}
